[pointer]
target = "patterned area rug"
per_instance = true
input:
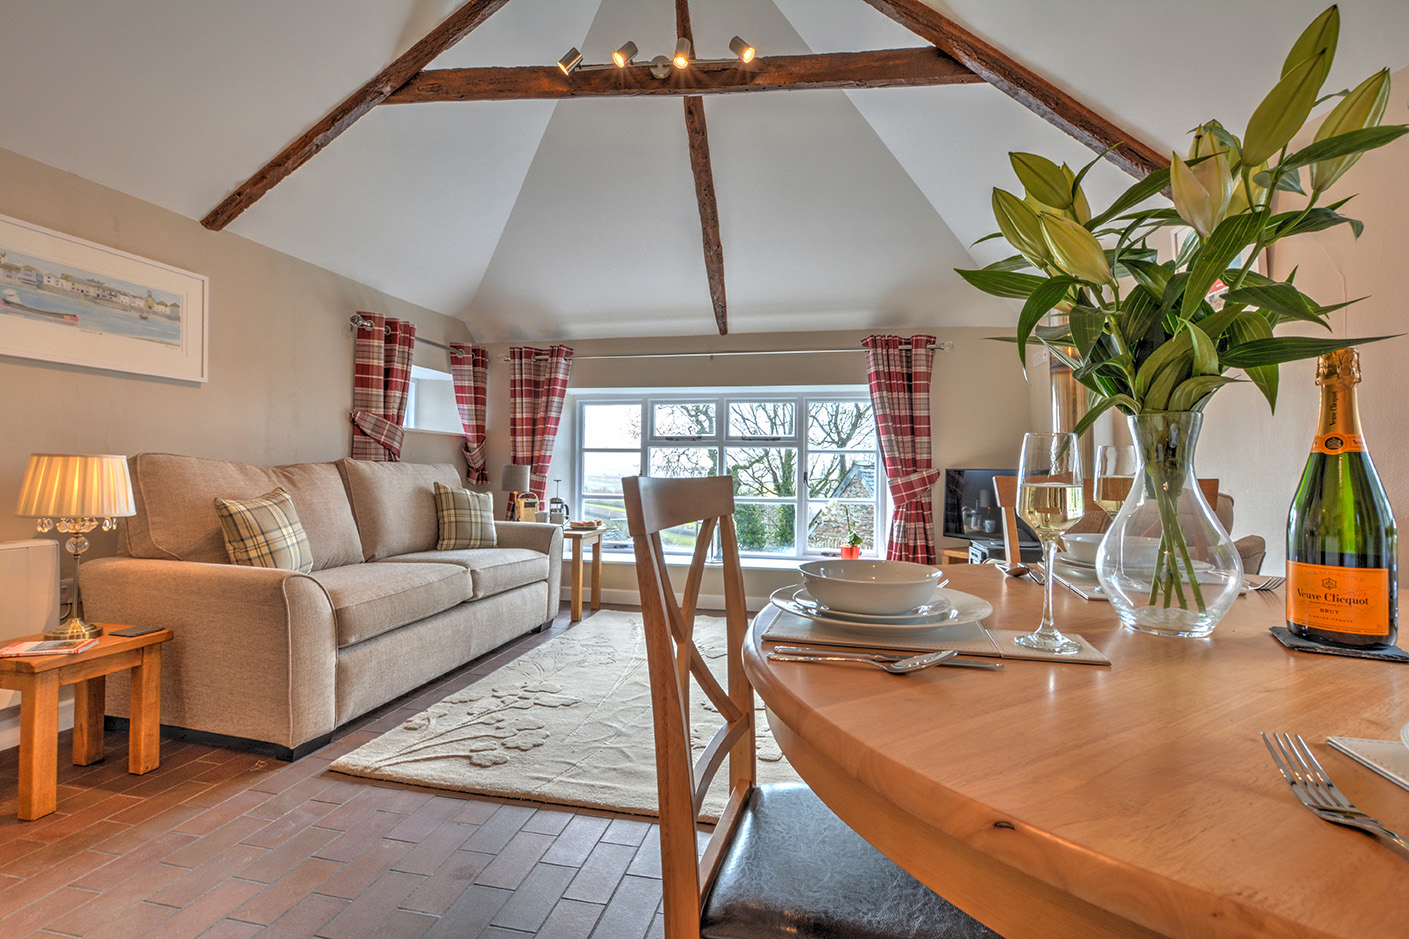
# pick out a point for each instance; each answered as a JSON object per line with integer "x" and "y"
{"x": 567, "y": 723}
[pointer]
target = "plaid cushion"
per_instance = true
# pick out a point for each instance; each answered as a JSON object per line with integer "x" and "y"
{"x": 264, "y": 532}
{"x": 466, "y": 518}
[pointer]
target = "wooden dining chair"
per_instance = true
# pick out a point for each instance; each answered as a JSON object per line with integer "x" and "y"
{"x": 778, "y": 863}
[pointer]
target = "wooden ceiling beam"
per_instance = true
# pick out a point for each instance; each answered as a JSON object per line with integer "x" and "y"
{"x": 455, "y": 27}
{"x": 886, "y": 68}
{"x": 1025, "y": 86}
{"x": 703, "y": 171}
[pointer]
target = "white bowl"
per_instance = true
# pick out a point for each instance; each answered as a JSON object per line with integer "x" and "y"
{"x": 870, "y": 586}
{"x": 1083, "y": 547}
{"x": 1140, "y": 553}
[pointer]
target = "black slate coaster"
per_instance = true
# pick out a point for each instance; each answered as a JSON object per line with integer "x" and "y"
{"x": 1298, "y": 644}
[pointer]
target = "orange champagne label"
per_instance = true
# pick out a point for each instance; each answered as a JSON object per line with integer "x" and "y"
{"x": 1334, "y": 444}
{"x": 1338, "y": 599}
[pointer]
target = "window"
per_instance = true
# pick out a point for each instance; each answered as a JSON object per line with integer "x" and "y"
{"x": 805, "y": 465}
{"x": 430, "y": 401}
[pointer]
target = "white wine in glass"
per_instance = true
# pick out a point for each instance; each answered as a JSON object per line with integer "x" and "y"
{"x": 1115, "y": 474}
{"x": 1050, "y": 499}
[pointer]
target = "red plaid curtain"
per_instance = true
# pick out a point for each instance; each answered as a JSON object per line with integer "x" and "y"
{"x": 900, "y": 396}
{"x": 381, "y": 377}
{"x": 469, "y": 371}
{"x": 538, "y": 381}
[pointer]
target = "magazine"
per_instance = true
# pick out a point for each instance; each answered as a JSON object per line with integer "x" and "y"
{"x": 47, "y": 647}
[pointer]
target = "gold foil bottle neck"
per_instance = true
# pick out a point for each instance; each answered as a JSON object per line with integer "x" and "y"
{"x": 1341, "y": 367}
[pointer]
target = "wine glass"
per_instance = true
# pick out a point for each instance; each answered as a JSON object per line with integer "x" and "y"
{"x": 1115, "y": 473}
{"x": 1051, "y": 501}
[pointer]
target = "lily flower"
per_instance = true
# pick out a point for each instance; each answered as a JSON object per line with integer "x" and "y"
{"x": 1019, "y": 224}
{"x": 1362, "y": 108}
{"x": 1202, "y": 193}
{"x": 1075, "y": 250}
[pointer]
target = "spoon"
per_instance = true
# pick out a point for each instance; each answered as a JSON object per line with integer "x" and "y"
{"x": 902, "y": 667}
{"x": 878, "y": 656}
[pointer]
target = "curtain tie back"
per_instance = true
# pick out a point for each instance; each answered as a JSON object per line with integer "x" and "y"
{"x": 380, "y": 429}
{"x": 913, "y": 486}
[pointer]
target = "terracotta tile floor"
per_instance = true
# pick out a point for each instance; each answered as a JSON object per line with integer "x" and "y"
{"x": 223, "y": 841}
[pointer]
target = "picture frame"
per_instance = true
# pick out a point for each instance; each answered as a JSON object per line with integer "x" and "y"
{"x": 75, "y": 302}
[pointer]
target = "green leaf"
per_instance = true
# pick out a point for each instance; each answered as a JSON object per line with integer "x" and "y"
{"x": 1157, "y": 395}
{"x": 1281, "y": 349}
{"x": 1038, "y": 305}
{"x": 1152, "y": 185}
{"x": 1285, "y": 300}
{"x": 1163, "y": 357}
{"x": 1119, "y": 259}
{"x": 1216, "y": 324}
{"x": 1227, "y": 241}
{"x": 1353, "y": 141}
{"x": 1015, "y": 263}
{"x": 1289, "y": 181}
{"x": 1086, "y": 330}
{"x": 1059, "y": 335}
{"x": 1195, "y": 390}
{"x": 1153, "y": 277}
{"x": 1316, "y": 219}
{"x": 1100, "y": 407}
{"x": 1205, "y": 353}
{"x": 1003, "y": 283}
{"x": 1247, "y": 328}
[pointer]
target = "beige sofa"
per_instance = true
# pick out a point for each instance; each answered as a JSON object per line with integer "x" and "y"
{"x": 284, "y": 657}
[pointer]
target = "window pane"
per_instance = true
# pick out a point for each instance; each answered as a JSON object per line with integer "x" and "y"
{"x": 841, "y": 425}
{"x": 611, "y": 426}
{"x": 830, "y": 524}
{"x": 611, "y": 511}
{"x": 763, "y": 471}
{"x": 602, "y": 472}
{"x": 684, "y": 420}
{"x": 684, "y": 462}
{"x": 841, "y": 475}
{"x": 766, "y": 528}
{"x": 761, "y": 419}
{"x": 681, "y": 539}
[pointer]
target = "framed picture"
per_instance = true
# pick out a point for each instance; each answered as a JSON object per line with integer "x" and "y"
{"x": 63, "y": 299}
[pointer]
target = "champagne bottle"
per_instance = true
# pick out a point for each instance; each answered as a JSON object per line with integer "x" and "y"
{"x": 1342, "y": 544}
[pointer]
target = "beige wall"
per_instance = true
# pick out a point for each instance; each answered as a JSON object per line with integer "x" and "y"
{"x": 280, "y": 349}
{"x": 1262, "y": 456}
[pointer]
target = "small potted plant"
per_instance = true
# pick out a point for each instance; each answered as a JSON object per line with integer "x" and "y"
{"x": 852, "y": 548}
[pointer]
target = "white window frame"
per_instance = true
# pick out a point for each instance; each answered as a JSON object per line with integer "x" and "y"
{"x": 722, "y": 440}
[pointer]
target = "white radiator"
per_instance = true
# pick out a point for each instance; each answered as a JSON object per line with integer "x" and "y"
{"x": 29, "y": 586}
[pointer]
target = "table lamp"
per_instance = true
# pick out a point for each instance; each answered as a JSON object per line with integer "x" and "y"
{"x": 75, "y": 493}
{"x": 514, "y": 478}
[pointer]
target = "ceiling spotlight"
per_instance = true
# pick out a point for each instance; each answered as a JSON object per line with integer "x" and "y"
{"x": 571, "y": 60}
{"x": 623, "y": 56}
{"x": 743, "y": 50}
{"x": 660, "y": 66}
{"x": 682, "y": 53}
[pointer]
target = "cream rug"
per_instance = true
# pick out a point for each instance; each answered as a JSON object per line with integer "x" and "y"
{"x": 567, "y": 723}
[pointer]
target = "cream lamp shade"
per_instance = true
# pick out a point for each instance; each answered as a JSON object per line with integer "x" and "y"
{"x": 515, "y": 477}
{"x": 76, "y": 485}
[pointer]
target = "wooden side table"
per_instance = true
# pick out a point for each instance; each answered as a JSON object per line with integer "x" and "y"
{"x": 954, "y": 556}
{"x": 38, "y": 678}
{"x": 581, "y": 538}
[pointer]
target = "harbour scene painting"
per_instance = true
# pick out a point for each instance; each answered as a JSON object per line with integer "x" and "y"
{"x": 74, "y": 302}
{"x": 55, "y": 293}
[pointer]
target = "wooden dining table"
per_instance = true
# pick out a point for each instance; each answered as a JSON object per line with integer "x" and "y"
{"x": 1055, "y": 799}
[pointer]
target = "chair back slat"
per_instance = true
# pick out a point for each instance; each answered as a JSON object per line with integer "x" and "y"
{"x": 673, "y": 659}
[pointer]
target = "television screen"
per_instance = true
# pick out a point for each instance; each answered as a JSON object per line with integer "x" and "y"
{"x": 971, "y": 507}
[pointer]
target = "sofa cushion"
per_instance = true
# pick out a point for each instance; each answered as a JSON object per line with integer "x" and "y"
{"x": 176, "y": 519}
{"x": 466, "y": 518}
{"x": 264, "y": 532}
{"x": 394, "y": 505}
{"x": 492, "y": 570}
{"x": 370, "y": 599}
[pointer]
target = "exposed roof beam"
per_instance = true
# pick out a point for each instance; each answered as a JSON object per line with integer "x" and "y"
{"x": 1025, "y": 86}
{"x": 887, "y": 68}
{"x": 455, "y": 27}
{"x": 703, "y": 171}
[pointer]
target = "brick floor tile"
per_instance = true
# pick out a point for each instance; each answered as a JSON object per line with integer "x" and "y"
{"x": 362, "y": 871}
{"x": 286, "y": 826}
{"x": 306, "y": 918}
{"x": 511, "y": 865}
{"x": 375, "y": 904}
{"x": 426, "y": 819}
{"x": 571, "y": 919}
{"x": 154, "y": 827}
{"x": 54, "y": 827}
{"x": 534, "y": 899}
{"x": 548, "y": 821}
{"x": 152, "y": 806}
{"x": 290, "y": 774}
{"x": 196, "y": 917}
{"x": 630, "y": 911}
{"x": 279, "y": 897}
{"x": 403, "y": 924}
{"x": 222, "y": 812}
{"x": 499, "y": 932}
{"x": 230, "y": 929}
{"x": 470, "y": 914}
{"x": 358, "y": 807}
{"x": 107, "y": 905}
{"x": 601, "y": 872}
{"x": 291, "y": 798}
{"x": 630, "y": 831}
{"x": 61, "y": 874}
{"x": 478, "y": 810}
{"x": 208, "y": 846}
{"x": 494, "y": 834}
{"x": 347, "y": 744}
{"x": 135, "y": 921}
{"x": 47, "y": 908}
{"x": 120, "y": 868}
{"x": 199, "y": 881}
{"x": 647, "y": 860}
{"x": 577, "y": 840}
{"x": 443, "y": 887}
{"x": 359, "y": 837}
{"x": 287, "y": 856}
{"x": 36, "y": 861}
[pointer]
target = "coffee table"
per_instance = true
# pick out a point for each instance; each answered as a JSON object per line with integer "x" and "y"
{"x": 581, "y": 538}
{"x": 38, "y": 678}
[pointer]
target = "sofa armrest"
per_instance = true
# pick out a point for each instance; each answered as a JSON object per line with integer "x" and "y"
{"x": 253, "y": 653}
{"x": 538, "y": 536}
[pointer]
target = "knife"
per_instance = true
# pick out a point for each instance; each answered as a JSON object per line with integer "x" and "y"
{"x": 880, "y": 656}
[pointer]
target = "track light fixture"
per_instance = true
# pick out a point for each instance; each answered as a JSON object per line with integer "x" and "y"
{"x": 743, "y": 50}
{"x": 660, "y": 66}
{"x": 570, "y": 61}
{"x": 681, "y": 59}
{"x": 623, "y": 56}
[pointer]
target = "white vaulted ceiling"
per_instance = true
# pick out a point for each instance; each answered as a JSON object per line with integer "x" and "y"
{"x": 577, "y": 218}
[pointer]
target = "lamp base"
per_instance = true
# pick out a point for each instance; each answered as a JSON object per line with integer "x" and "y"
{"x": 74, "y": 628}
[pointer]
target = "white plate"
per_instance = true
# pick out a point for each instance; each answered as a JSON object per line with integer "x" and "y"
{"x": 964, "y": 608}
{"x": 1071, "y": 562}
{"x": 937, "y": 608}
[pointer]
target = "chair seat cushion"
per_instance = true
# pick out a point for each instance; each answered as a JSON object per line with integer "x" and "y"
{"x": 793, "y": 869}
{"x": 370, "y": 599}
{"x": 492, "y": 570}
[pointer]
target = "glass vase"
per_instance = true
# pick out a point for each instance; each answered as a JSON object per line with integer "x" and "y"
{"x": 1166, "y": 564}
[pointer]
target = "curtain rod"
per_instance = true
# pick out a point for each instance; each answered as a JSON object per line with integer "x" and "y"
{"x": 361, "y": 322}
{"x": 944, "y": 346}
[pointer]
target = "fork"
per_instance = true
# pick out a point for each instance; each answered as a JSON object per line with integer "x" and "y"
{"x": 1314, "y": 788}
{"x": 1268, "y": 583}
